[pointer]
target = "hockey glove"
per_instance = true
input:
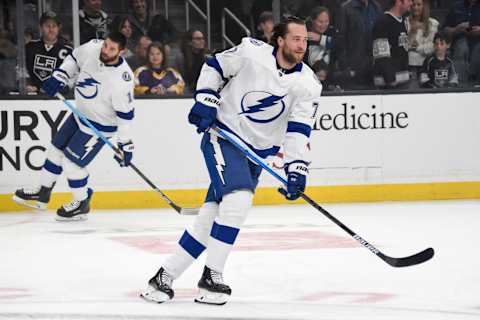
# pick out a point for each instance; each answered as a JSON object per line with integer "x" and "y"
{"x": 57, "y": 81}
{"x": 296, "y": 172}
{"x": 126, "y": 149}
{"x": 204, "y": 112}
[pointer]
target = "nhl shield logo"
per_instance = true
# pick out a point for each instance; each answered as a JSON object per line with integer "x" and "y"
{"x": 262, "y": 106}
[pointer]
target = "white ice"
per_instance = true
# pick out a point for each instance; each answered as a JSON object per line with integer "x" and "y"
{"x": 291, "y": 263}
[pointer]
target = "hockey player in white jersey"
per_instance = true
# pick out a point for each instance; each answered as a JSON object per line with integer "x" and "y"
{"x": 267, "y": 98}
{"x": 104, "y": 95}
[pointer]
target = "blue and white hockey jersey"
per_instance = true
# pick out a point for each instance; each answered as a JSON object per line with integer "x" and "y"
{"x": 260, "y": 103}
{"x": 103, "y": 93}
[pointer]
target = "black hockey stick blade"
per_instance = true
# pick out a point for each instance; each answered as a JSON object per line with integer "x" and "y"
{"x": 412, "y": 260}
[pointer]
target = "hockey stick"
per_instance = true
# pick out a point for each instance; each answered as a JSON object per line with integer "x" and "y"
{"x": 417, "y": 258}
{"x": 180, "y": 210}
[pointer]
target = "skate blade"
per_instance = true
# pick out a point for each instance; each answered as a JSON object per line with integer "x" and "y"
{"x": 78, "y": 217}
{"x": 208, "y": 297}
{"x": 152, "y": 295}
{"x": 34, "y": 204}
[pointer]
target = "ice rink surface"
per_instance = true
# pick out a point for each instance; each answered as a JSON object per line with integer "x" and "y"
{"x": 290, "y": 262}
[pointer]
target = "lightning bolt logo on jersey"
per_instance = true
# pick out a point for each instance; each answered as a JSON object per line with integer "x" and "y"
{"x": 257, "y": 104}
{"x": 88, "y": 88}
{"x": 262, "y": 107}
{"x": 103, "y": 93}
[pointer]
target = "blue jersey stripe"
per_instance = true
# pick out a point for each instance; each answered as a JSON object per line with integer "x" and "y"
{"x": 126, "y": 115}
{"x": 213, "y": 62}
{"x": 299, "y": 127}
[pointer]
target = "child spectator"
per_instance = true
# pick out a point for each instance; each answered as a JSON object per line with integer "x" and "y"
{"x": 438, "y": 70}
{"x": 154, "y": 78}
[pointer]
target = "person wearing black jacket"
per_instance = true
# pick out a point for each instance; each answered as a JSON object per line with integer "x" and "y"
{"x": 390, "y": 47}
{"x": 94, "y": 21}
{"x": 45, "y": 54}
{"x": 355, "y": 24}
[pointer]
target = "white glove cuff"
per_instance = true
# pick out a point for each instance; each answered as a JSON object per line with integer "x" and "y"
{"x": 208, "y": 100}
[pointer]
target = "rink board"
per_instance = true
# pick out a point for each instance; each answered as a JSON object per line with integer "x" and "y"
{"x": 364, "y": 148}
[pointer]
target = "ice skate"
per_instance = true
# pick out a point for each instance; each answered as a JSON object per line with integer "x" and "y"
{"x": 212, "y": 289}
{"x": 75, "y": 210}
{"x": 37, "y": 198}
{"x": 159, "y": 287}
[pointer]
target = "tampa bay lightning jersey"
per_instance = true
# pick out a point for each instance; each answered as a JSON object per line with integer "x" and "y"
{"x": 262, "y": 104}
{"x": 103, "y": 93}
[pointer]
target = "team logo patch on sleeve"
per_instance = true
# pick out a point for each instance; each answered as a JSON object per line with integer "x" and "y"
{"x": 256, "y": 42}
{"x": 262, "y": 106}
{"x": 126, "y": 76}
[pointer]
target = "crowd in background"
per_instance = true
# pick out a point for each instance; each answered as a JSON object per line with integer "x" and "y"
{"x": 344, "y": 43}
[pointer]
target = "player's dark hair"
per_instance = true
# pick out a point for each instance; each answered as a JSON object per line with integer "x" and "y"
{"x": 281, "y": 29}
{"x": 119, "y": 38}
{"x": 442, "y": 36}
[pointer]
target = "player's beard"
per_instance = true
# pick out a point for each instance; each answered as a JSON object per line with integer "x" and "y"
{"x": 290, "y": 57}
{"x": 106, "y": 59}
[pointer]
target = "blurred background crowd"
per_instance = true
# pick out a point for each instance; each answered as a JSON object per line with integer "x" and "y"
{"x": 168, "y": 40}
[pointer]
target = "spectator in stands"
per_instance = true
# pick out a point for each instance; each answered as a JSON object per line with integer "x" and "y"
{"x": 195, "y": 52}
{"x": 265, "y": 26}
{"x": 421, "y": 30}
{"x": 355, "y": 22}
{"x": 320, "y": 37}
{"x": 140, "y": 57}
{"x": 157, "y": 27}
{"x": 333, "y": 7}
{"x": 93, "y": 21}
{"x": 44, "y": 55}
{"x": 123, "y": 25}
{"x": 390, "y": 47}
{"x": 155, "y": 78}
{"x": 463, "y": 25}
{"x": 438, "y": 70}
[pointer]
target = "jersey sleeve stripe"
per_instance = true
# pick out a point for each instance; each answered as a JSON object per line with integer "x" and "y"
{"x": 207, "y": 91}
{"x": 74, "y": 59}
{"x": 213, "y": 62}
{"x": 126, "y": 115}
{"x": 299, "y": 127}
{"x": 62, "y": 71}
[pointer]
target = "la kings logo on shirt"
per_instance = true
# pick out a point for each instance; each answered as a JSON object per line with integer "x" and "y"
{"x": 43, "y": 66}
{"x": 403, "y": 41}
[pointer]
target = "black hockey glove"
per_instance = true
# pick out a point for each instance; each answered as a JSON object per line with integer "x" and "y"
{"x": 296, "y": 172}
{"x": 126, "y": 149}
